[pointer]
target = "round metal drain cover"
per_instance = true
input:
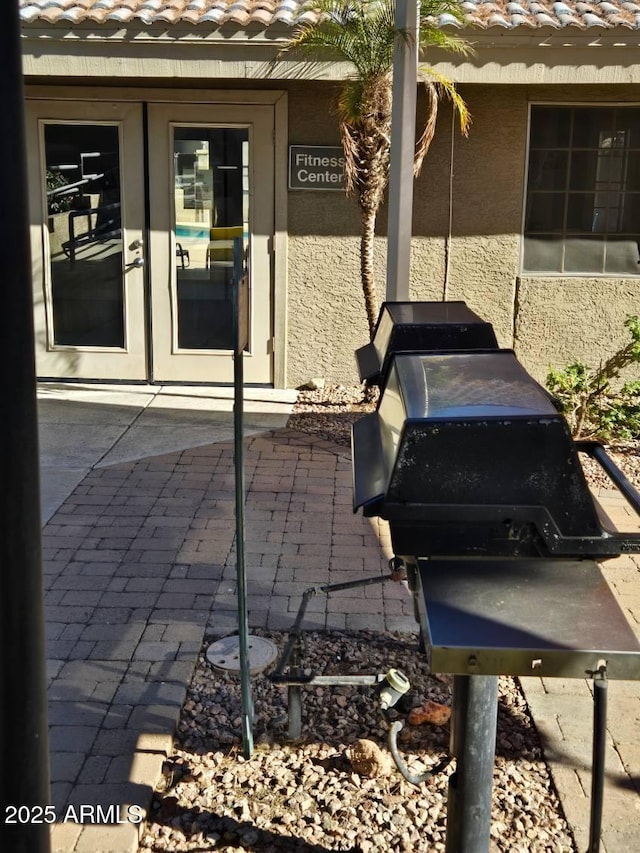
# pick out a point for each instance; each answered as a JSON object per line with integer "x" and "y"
{"x": 224, "y": 654}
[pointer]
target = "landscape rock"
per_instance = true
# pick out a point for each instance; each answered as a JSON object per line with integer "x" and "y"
{"x": 430, "y": 712}
{"x": 367, "y": 759}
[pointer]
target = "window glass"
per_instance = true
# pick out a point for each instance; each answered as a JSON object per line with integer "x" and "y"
{"x": 552, "y": 129}
{"x": 622, "y": 256}
{"x": 633, "y": 173}
{"x": 592, "y": 127}
{"x": 542, "y": 254}
{"x": 583, "y": 169}
{"x": 546, "y": 212}
{"x": 583, "y": 190}
{"x": 82, "y": 175}
{"x": 211, "y": 210}
{"x": 548, "y": 170}
{"x": 583, "y": 254}
{"x": 581, "y": 215}
{"x": 631, "y": 213}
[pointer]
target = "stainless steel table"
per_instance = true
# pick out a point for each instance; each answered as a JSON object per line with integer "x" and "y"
{"x": 482, "y": 618}
{"x": 524, "y": 617}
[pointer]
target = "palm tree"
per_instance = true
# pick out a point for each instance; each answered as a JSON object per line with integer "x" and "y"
{"x": 363, "y": 33}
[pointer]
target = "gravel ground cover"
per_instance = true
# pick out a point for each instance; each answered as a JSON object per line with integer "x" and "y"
{"x": 306, "y": 796}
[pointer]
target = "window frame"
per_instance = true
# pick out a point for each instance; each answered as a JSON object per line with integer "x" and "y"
{"x": 526, "y": 273}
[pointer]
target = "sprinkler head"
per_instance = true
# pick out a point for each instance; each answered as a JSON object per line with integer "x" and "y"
{"x": 394, "y": 685}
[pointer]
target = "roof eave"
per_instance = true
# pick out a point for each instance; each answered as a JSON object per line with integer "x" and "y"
{"x": 502, "y": 55}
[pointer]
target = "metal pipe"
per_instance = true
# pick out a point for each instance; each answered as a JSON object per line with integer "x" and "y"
{"x": 307, "y": 595}
{"x": 475, "y": 712}
{"x": 596, "y": 451}
{"x": 329, "y": 680}
{"x": 23, "y": 723}
{"x": 600, "y": 691}
{"x": 290, "y": 658}
{"x": 456, "y": 740}
{"x": 293, "y": 638}
{"x": 238, "y": 457}
{"x": 294, "y": 696}
{"x": 394, "y": 729}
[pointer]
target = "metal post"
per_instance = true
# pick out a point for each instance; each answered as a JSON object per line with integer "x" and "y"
{"x": 475, "y": 712}
{"x": 23, "y": 721}
{"x": 600, "y": 691}
{"x": 403, "y": 135}
{"x": 240, "y": 325}
{"x": 294, "y": 694}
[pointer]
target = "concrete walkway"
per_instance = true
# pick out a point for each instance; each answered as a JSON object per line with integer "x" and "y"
{"x": 138, "y": 504}
{"x": 563, "y": 713}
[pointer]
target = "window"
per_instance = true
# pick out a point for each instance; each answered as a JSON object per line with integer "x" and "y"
{"x": 583, "y": 191}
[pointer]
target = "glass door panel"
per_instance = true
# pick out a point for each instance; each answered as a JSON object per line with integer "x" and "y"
{"x": 85, "y": 234}
{"x": 214, "y": 165}
{"x": 86, "y": 200}
{"x": 211, "y": 225}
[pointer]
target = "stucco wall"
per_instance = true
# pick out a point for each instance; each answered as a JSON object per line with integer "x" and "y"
{"x": 559, "y": 321}
{"x": 471, "y": 255}
{"x": 326, "y": 315}
{"x": 325, "y": 308}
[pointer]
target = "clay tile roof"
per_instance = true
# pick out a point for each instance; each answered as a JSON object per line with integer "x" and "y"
{"x": 506, "y": 14}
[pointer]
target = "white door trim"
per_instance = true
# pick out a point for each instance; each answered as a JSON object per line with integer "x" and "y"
{"x": 59, "y": 95}
{"x": 86, "y": 362}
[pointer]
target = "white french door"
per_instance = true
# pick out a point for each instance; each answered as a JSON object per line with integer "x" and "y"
{"x": 86, "y": 196}
{"x": 211, "y": 193}
{"x": 118, "y": 297}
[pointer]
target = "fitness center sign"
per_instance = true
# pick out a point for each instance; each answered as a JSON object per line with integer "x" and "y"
{"x": 316, "y": 167}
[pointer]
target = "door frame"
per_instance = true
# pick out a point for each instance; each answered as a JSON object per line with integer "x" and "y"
{"x": 172, "y": 362}
{"x": 278, "y": 99}
{"x": 86, "y": 362}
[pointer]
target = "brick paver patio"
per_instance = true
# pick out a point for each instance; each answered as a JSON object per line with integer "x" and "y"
{"x": 140, "y": 562}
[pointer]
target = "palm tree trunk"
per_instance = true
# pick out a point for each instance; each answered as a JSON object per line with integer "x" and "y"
{"x": 366, "y": 267}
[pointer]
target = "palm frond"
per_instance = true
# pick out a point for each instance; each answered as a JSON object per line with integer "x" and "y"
{"x": 448, "y": 87}
{"x": 350, "y": 101}
{"x": 436, "y": 86}
{"x": 430, "y": 36}
{"x": 361, "y": 33}
{"x": 431, "y": 10}
{"x": 433, "y": 97}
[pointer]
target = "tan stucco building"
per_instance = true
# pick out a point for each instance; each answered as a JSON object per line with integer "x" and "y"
{"x": 157, "y": 136}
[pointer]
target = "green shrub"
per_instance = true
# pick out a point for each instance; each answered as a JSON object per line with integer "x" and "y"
{"x": 592, "y": 408}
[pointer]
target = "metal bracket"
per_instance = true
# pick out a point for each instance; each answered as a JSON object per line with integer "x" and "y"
{"x": 288, "y": 668}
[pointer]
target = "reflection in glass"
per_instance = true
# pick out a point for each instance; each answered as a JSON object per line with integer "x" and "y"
{"x": 581, "y": 216}
{"x": 85, "y": 234}
{"x": 584, "y": 254}
{"x": 622, "y": 254}
{"x": 591, "y": 125}
{"x": 548, "y": 170}
{"x": 543, "y": 254}
{"x": 545, "y": 211}
{"x": 550, "y": 127}
{"x": 211, "y": 208}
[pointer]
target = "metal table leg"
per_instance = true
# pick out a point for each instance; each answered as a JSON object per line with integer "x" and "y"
{"x": 473, "y": 736}
{"x": 600, "y": 686}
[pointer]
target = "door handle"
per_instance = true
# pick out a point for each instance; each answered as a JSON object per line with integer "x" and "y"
{"x": 136, "y": 262}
